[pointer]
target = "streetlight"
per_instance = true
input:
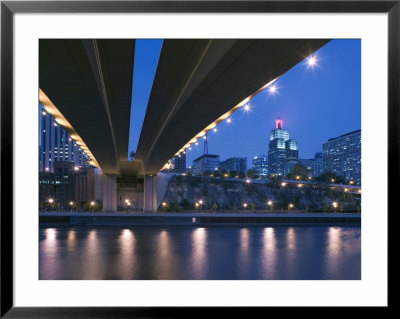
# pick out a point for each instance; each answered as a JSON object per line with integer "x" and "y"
{"x": 270, "y": 203}
{"x": 248, "y": 181}
{"x": 51, "y": 201}
{"x": 164, "y": 205}
{"x": 290, "y": 206}
{"x": 245, "y": 205}
{"x": 335, "y": 205}
{"x": 71, "y": 204}
{"x": 92, "y": 204}
{"x": 283, "y": 184}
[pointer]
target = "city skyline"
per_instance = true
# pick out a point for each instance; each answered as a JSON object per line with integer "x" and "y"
{"x": 323, "y": 99}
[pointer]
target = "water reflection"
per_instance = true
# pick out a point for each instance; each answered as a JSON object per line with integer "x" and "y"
{"x": 244, "y": 259}
{"x": 164, "y": 257}
{"x": 269, "y": 252}
{"x": 91, "y": 268}
{"x": 199, "y": 257}
{"x": 333, "y": 251}
{"x": 291, "y": 251}
{"x": 126, "y": 261}
{"x": 49, "y": 251}
{"x": 200, "y": 253}
{"x": 71, "y": 241}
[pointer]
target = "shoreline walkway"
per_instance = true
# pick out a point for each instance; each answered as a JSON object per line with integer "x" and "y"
{"x": 196, "y": 218}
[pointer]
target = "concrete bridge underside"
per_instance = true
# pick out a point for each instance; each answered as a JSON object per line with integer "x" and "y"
{"x": 196, "y": 82}
{"x": 89, "y": 84}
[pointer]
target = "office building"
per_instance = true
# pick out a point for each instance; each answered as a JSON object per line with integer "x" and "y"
{"x": 238, "y": 164}
{"x": 260, "y": 163}
{"x": 283, "y": 152}
{"x": 342, "y": 156}
{"x": 55, "y": 144}
{"x": 204, "y": 163}
{"x": 69, "y": 183}
{"x": 315, "y": 165}
{"x": 179, "y": 163}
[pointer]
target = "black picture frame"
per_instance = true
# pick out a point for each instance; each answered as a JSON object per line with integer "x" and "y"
{"x": 9, "y": 8}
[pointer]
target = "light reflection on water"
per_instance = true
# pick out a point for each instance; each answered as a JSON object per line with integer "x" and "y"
{"x": 199, "y": 256}
{"x": 126, "y": 262}
{"x": 268, "y": 263}
{"x": 189, "y": 253}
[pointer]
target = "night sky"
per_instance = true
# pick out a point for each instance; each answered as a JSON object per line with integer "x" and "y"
{"x": 314, "y": 103}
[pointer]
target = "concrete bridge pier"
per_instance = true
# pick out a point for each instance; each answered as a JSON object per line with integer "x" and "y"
{"x": 150, "y": 194}
{"x": 109, "y": 185}
{"x": 155, "y": 187}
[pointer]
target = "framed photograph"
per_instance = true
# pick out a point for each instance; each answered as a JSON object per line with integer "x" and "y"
{"x": 165, "y": 157}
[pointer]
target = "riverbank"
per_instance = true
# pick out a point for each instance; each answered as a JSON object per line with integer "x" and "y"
{"x": 196, "y": 218}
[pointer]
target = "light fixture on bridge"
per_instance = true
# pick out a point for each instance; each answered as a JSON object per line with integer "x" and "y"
{"x": 272, "y": 89}
{"x": 312, "y": 61}
{"x": 215, "y": 130}
{"x": 44, "y": 113}
{"x": 229, "y": 120}
{"x": 247, "y": 108}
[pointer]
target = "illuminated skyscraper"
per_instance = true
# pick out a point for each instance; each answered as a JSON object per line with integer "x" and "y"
{"x": 56, "y": 144}
{"x": 342, "y": 156}
{"x": 260, "y": 163}
{"x": 283, "y": 152}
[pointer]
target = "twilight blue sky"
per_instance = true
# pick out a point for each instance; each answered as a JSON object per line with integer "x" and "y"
{"x": 314, "y": 103}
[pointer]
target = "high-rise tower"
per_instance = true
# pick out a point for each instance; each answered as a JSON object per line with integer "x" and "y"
{"x": 282, "y": 151}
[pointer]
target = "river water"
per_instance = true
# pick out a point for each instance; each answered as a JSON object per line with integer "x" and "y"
{"x": 204, "y": 253}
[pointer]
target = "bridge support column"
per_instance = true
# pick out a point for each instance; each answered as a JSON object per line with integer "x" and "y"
{"x": 150, "y": 194}
{"x": 155, "y": 188}
{"x": 109, "y": 185}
